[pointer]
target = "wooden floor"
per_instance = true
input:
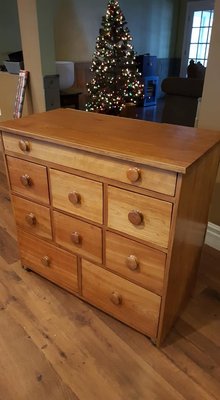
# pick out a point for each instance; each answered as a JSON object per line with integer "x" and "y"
{"x": 55, "y": 347}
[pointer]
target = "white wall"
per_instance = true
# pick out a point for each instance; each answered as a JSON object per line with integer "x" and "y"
{"x": 10, "y": 40}
{"x": 209, "y": 116}
{"x": 152, "y": 24}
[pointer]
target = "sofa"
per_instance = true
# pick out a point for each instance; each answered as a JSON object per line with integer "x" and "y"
{"x": 181, "y": 100}
{"x": 182, "y": 94}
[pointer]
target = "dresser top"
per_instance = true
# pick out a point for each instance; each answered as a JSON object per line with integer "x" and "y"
{"x": 165, "y": 146}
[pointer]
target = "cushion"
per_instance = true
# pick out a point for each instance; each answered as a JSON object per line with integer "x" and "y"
{"x": 196, "y": 70}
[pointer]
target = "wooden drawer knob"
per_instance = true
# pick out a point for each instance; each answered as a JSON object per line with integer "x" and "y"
{"x": 26, "y": 180}
{"x": 116, "y": 298}
{"x": 76, "y": 238}
{"x": 31, "y": 219}
{"x": 135, "y": 217}
{"x": 133, "y": 174}
{"x": 45, "y": 261}
{"x": 74, "y": 197}
{"x": 132, "y": 262}
{"x": 24, "y": 145}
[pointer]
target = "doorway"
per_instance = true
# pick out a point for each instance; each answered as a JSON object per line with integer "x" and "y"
{"x": 197, "y": 34}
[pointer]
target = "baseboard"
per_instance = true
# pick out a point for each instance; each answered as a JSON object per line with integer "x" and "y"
{"x": 212, "y": 238}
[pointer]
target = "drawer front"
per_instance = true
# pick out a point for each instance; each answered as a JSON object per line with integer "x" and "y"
{"x": 32, "y": 217}
{"x": 28, "y": 179}
{"x": 76, "y": 195}
{"x": 141, "y": 216}
{"x": 146, "y": 177}
{"x": 54, "y": 264}
{"x": 124, "y": 300}
{"x": 136, "y": 262}
{"x": 78, "y": 236}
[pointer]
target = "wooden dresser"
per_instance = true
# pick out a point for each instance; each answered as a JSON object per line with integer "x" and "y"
{"x": 113, "y": 210}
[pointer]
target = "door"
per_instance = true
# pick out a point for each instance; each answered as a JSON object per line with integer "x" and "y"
{"x": 197, "y": 35}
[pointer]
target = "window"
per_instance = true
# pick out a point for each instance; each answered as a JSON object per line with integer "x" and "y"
{"x": 197, "y": 37}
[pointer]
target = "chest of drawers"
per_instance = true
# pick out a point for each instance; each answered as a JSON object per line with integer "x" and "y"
{"x": 113, "y": 210}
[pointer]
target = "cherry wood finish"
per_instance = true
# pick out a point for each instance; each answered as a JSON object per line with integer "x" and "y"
{"x": 140, "y": 216}
{"x": 32, "y": 217}
{"x": 155, "y": 179}
{"x": 188, "y": 238}
{"x": 126, "y": 201}
{"x": 170, "y": 147}
{"x": 79, "y": 196}
{"x": 124, "y": 300}
{"x": 54, "y": 264}
{"x": 136, "y": 262}
{"x": 78, "y": 236}
{"x": 28, "y": 179}
{"x": 134, "y": 174}
{"x": 47, "y": 334}
{"x": 24, "y": 145}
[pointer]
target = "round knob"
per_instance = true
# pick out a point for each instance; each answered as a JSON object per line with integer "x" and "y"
{"x": 24, "y": 145}
{"x": 45, "y": 261}
{"x": 133, "y": 174}
{"x": 76, "y": 238}
{"x": 31, "y": 219}
{"x": 74, "y": 197}
{"x": 132, "y": 262}
{"x": 135, "y": 217}
{"x": 116, "y": 298}
{"x": 26, "y": 180}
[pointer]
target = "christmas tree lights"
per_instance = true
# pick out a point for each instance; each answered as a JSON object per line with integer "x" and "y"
{"x": 116, "y": 78}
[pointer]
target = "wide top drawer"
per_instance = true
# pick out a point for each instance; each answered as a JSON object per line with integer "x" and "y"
{"x": 157, "y": 180}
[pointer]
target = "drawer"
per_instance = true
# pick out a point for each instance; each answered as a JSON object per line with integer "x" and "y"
{"x": 28, "y": 179}
{"x": 124, "y": 300}
{"x": 46, "y": 259}
{"x": 136, "y": 262}
{"x": 76, "y": 195}
{"x": 139, "y": 175}
{"x": 141, "y": 216}
{"x": 32, "y": 217}
{"x": 80, "y": 237}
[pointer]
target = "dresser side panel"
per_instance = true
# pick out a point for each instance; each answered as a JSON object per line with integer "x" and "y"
{"x": 188, "y": 238}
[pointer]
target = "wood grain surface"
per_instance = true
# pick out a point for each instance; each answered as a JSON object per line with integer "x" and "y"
{"x": 151, "y": 178}
{"x": 89, "y": 192}
{"x": 54, "y": 346}
{"x": 163, "y": 146}
{"x": 90, "y": 243}
{"x": 38, "y": 188}
{"x": 149, "y": 272}
{"x": 155, "y": 225}
{"x": 23, "y": 208}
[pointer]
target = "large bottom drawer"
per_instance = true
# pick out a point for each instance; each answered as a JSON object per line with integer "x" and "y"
{"x": 49, "y": 261}
{"x": 124, "y": 300}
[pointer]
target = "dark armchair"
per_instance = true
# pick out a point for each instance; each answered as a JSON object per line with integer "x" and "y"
{"x": 181, "y": 100}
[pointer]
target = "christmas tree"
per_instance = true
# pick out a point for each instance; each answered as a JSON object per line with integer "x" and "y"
{"x": 116, "y": 78}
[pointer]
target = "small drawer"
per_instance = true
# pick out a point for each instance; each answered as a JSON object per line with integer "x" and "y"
{"x": 78, "y": 236}
{"x": 141, "y": 216}
{"x": 54, "y": 264}
{"x": 136, "y": 262}
{"x": 124, "y": 300}
{"x": 76, "y": 195}
{"x": 32, "y": 217}
{"x": 143, "y": 176}
{"x": 28, "y": 179}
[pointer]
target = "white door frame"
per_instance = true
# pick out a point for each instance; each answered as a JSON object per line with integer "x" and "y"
{"x": 191, "y": 7}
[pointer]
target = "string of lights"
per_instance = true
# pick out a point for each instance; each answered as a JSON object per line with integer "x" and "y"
{"x": 116, "y": 79}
